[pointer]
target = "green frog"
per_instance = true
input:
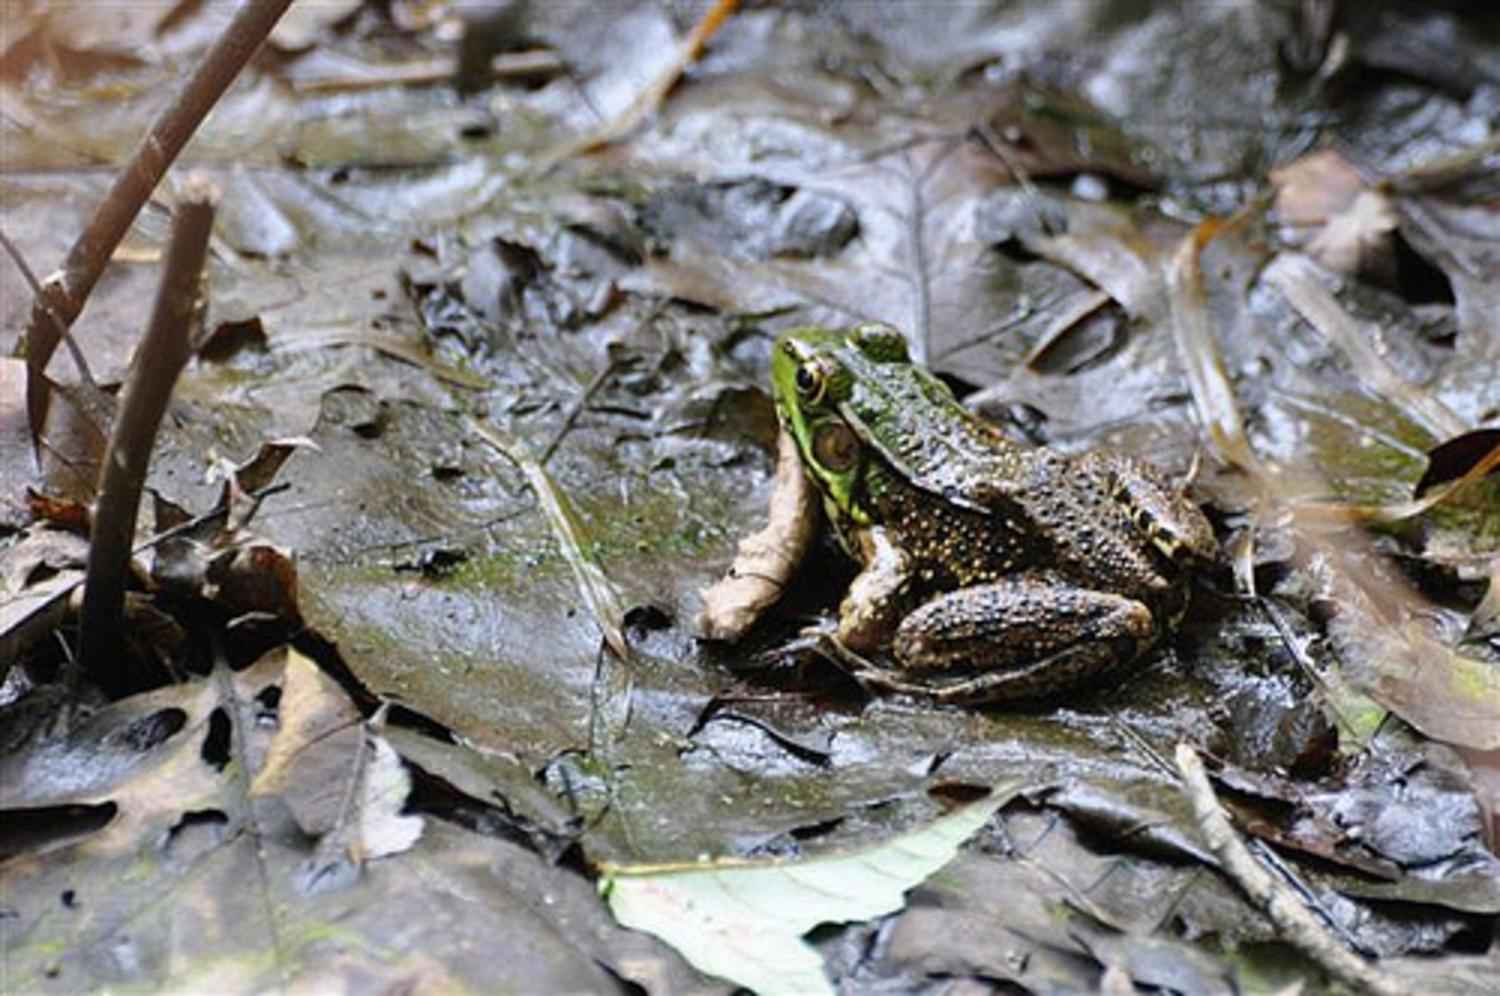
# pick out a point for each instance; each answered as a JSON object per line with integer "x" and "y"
{"x": 990, "y": 571}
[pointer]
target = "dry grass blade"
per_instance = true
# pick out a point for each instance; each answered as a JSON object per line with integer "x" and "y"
{"x": 1191, "y": 326}
{"x": 598, "y": 591}
{"x": 400, "y": 349}
{"x": 1341, "y": 513}
{"x": 359, "y": 77}
{"x": 650, "y": 98}
{"x": 1295, "y": 276}
{"x": 1456, "y": 457}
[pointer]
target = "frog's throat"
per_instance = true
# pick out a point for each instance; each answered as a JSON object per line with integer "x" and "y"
{"x": 838, "y": 487}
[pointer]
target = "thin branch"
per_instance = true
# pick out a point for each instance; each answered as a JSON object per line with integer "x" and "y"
{"x": 159, "y": 358}
{"x": 577, "y": 408}
{"x": 66, "y": 292}
{"x": 59, "y": 327}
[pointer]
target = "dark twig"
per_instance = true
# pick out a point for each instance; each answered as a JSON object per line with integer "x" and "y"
{"x": 158, "y": 360}
{"x": 600, "y": 379}
{"x": 66, "y": 292}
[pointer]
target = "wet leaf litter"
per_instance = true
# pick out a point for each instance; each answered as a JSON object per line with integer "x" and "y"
{"x": 1295, "y": 307}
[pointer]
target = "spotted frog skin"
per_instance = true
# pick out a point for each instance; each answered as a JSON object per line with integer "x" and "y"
{"x": 990, "y": 571}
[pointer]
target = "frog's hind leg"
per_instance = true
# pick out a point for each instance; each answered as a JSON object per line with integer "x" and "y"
{"x": 1064, "y": 670}
{"x": 1019, "y": 637}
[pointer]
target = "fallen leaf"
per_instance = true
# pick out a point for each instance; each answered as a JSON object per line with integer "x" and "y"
{"x": 744, "y": 920}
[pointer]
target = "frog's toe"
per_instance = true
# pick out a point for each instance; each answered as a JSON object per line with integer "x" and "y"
{"x": 812, "y": 637}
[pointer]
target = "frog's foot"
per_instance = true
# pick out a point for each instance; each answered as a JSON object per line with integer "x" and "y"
{"x": 1039, "y": 679}
{"x": 878, "y": 596}
{"x": 824, "y": 640}
{"x": 812, "y": 638}
{"x": 1019, "y": 638}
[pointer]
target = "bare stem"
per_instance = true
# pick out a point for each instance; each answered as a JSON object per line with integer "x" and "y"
{"x": 154, "y": 368}
{"x": 67, "y": 291}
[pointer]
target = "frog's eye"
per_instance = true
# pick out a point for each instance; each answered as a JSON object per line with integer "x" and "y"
{"x": 810, "y": 382}
{"x": 835, "y": 447}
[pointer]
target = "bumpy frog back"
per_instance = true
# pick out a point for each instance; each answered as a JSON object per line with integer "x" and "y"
{"x": 914, "y": 422}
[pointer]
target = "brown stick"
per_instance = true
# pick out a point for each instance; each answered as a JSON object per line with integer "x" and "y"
{"x": 159, "y": 358}
{"x": 67, "y": 291}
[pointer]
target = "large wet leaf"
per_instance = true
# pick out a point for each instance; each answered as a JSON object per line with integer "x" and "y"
{"x": 1065, "y": 206}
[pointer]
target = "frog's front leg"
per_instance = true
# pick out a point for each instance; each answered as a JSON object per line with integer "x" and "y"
{"x": 878, "y": 596}
{"x": 1019, "y": 637}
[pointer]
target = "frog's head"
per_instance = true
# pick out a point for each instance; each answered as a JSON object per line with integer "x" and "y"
{"x": 811, "y": 380}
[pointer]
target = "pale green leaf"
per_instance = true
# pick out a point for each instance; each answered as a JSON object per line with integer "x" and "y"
{"x": 744, "y": 920}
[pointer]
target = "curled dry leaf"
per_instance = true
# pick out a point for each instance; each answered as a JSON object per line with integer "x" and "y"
{"x": 1359, "y": 239}
{"x": 1314, "y": 188}
{"x": 767, "y": 559}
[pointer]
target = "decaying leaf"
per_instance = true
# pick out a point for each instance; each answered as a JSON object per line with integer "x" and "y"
{"x": 1007, "y": 184}
{"x": 1447, "y": 695}
{"x": 766, "y": 559}
{"x": 1387, "y": 655}
{"x": 37, "y": 573}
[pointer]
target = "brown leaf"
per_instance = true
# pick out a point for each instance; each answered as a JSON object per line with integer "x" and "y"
{"x": 766, "y": 559}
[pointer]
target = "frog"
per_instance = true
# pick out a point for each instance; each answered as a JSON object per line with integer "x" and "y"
{"x": 989, "y": 571}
